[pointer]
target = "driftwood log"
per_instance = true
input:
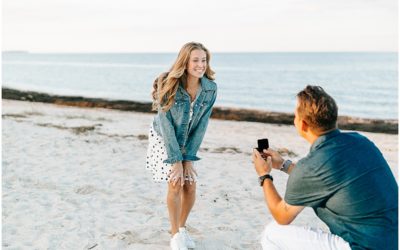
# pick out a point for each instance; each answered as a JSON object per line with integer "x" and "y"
{"x": 389, "y": 126}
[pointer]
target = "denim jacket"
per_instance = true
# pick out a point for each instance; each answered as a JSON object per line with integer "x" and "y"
{"x": 183, "y": 138}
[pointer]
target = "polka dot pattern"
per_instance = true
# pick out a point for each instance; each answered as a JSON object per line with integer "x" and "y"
{"x": 156, "y": 154}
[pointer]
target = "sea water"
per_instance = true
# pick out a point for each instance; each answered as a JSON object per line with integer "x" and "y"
{"x": 363, "y": 84}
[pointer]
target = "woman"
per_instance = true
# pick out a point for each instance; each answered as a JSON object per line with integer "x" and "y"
{"x": 184, "y": 98}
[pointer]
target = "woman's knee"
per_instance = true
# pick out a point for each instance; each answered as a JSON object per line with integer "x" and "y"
{"x": 174, "y": 190}
{"x": 189, "y": 188}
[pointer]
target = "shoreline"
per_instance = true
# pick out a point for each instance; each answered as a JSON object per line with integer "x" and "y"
{"x": 387, "y": 126}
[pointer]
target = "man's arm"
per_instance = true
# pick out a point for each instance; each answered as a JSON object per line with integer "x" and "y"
{"x": 282, "y": 212}
{"x": 277, "y": 160}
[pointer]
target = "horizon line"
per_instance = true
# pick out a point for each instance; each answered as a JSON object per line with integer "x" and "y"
{"x": 173, "y": 52}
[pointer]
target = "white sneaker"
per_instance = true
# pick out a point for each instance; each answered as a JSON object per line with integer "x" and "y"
{"x": 186, "y": 238}
{"x": 177, "y": 242}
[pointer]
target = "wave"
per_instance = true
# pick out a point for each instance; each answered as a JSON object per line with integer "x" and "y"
{"x": 81, "y": 64}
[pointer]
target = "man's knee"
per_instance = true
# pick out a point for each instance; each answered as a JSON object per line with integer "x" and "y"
{"x": 272, "y": 235}
{"x": 273, "y": 229}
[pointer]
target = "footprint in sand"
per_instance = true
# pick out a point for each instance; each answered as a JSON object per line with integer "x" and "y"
{"x": 85, "y": 189}
{"x": 232, "y": 150}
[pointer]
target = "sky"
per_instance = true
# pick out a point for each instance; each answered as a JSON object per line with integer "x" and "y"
{"x": 221, "y": 25}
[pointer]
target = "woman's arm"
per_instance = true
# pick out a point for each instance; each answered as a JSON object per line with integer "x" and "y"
{"x": 168, "y": 134}
{"x": 197, "y": 135}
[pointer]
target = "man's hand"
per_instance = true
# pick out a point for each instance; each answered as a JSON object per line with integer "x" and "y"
{"x": 277, "y": 159}
{"x": 262, "y": 166}
{"x": 189, "y": 171}
{"x": 282, "y": 212}
{"x": 176, "y": 174}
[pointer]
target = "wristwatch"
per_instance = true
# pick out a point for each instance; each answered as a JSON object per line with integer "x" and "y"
{"x": 261, "y": 179}
{"x": 285, "y": 166}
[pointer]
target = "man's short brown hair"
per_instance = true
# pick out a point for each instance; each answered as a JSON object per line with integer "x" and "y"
{"x": 317, "y": 108}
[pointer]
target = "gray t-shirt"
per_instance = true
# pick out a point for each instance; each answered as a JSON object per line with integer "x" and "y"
{"x": 350, "y": 186}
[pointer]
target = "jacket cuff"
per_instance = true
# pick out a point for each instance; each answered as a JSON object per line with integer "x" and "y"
{"x": 190, "y": 158}
{"x": 172, "y": 160}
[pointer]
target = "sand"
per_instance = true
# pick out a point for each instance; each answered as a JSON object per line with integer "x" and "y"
{"x": 75, "y": 178}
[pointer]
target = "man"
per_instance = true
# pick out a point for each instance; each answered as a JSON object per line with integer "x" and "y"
{"x": 344, "y": 178}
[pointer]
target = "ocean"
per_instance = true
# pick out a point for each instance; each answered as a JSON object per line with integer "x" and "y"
{"x": 363, "y": 84}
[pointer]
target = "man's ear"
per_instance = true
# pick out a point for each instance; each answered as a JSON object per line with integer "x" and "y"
{"x": 304, "y": 126}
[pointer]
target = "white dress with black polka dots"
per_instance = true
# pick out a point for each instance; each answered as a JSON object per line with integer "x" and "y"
{"x": 157, "y": 153}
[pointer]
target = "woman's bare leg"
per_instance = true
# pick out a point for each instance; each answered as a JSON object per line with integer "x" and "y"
{"x": 174, "y": 204}
{"x": 188, "y": 199}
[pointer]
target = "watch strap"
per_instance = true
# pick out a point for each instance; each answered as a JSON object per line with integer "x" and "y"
{"x": 261, "y": 179}
{"x": 285, "y": 166}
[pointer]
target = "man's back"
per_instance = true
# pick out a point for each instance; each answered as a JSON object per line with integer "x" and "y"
{"x": 350, "y": 187}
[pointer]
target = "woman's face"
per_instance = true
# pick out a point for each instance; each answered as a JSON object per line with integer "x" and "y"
{"x": 197, "y": 64}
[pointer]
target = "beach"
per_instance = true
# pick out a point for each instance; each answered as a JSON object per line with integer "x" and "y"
{"x": 75, "y": 178}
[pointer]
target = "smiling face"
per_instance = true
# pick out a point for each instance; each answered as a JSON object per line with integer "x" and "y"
{"x": 197, "y": 64}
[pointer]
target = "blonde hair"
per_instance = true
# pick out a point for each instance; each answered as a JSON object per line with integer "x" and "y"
{"x": 166, "y": 85}
{"x": 317, "y": 108}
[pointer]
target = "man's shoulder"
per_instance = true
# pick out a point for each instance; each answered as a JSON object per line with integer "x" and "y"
{"x": 310, "y": 161}
{"x": 344, "y": 149}
{"x": 352, "y": 135}
{"x": 342, "y": 139}
{"x": 353, "y": 142}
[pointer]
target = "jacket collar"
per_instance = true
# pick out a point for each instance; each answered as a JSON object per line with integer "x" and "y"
{"x": 323, "y": 138}
{"x": 207, "y": 84}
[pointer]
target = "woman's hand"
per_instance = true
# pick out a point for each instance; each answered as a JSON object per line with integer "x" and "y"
{"x": 189, "y": 171}
{"x": 176, "y": 174}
